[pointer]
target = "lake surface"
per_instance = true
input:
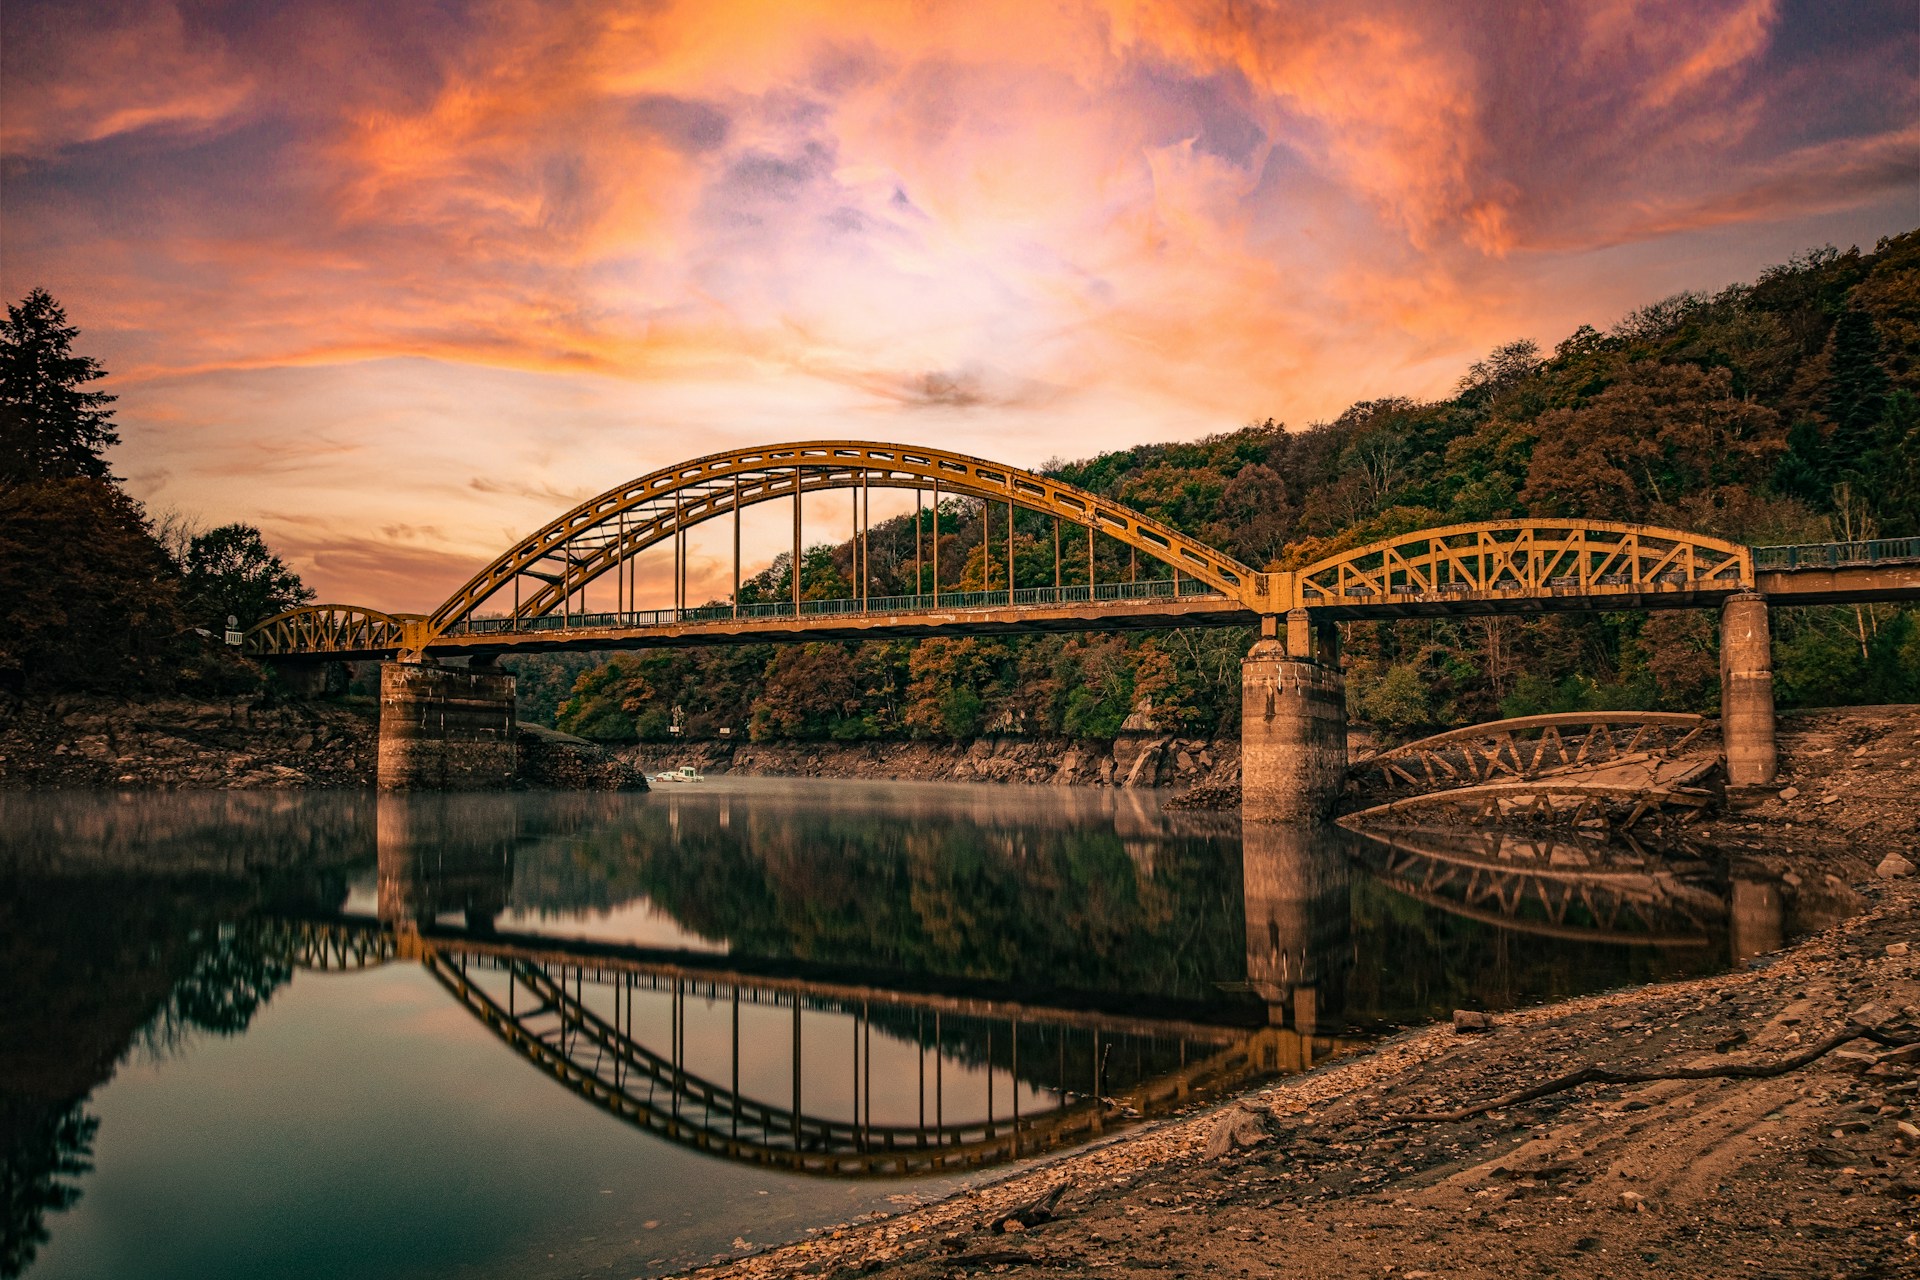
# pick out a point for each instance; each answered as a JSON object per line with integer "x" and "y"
{"x": 335, "y": 1034}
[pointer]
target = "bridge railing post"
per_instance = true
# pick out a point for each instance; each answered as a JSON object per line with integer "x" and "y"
{"x": 1746, "y": 691}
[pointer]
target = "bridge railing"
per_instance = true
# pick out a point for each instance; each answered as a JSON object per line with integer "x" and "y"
{"x": 1833, "y": 555}
{"x": 927, "y": 602}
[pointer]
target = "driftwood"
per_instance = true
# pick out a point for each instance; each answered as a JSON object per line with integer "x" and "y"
{"x": 1034, "y": 1212}
{"x": 1607, "y": 1075}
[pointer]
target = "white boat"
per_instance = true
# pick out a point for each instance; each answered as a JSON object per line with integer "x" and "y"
{"x": 685, "y": 773}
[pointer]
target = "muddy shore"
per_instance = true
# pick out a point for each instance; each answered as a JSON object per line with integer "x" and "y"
{"x": 1814, "y": 1172}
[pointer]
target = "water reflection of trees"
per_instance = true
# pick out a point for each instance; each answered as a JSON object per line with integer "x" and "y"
{"x": 1012, "y": 902}
{"x": 128, "y": 925}
{"x": 107, "y": 955}
{"x": 46, "y": 1146}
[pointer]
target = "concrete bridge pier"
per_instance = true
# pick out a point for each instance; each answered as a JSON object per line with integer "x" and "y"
{"x": 445, "y": 728}
{"x": 1746, "y": 691}
{"x": 1293, "y": 723}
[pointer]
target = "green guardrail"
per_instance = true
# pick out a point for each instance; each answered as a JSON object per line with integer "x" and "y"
{"x": 1832, "y": 555}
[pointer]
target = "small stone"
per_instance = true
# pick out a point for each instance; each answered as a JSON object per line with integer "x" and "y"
{"x": 1789, "y": 793}
{"x": 1237, "y": 1127}
{"x": 1909, "y": 1128}
{"x": 1470, "y": 1020}
{"x": 1013, "y": 1225}
{"x": 1892, "y": 867}
{"x": 1896, "y": 948}
{"x": 1872, "y": 1015}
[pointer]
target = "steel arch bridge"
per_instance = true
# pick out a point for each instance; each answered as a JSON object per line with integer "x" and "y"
{"x": 568, "y": 1010}
{"x": 535, "y": 595}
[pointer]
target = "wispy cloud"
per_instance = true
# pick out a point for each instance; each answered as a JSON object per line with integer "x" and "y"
{"x": 452, "y": 269}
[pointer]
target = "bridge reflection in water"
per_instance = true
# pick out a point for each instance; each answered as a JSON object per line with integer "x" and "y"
{"x": 857, "y": 1068}
{"x": 972, "y": 1073}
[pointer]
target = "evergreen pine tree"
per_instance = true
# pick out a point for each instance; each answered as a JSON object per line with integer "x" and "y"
{"x": 1856, "y": 388}
{"x": 50, "y": 429}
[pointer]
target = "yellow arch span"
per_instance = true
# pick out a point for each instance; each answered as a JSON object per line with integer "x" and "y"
{"x": 573, "y": 550}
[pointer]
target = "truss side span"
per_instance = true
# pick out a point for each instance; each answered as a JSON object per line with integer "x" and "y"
{"x": 598, "y": 535}
{"x": 1532, "y": 559}
{"x": 325, "y": 630}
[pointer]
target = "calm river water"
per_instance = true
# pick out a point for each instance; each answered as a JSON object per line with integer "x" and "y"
{"x": 306, "y": 1035}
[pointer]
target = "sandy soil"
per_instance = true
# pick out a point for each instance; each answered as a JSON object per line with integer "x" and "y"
{"x": 1812, "y": 1173}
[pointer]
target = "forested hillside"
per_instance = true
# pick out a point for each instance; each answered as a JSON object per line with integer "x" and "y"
{"x": 1781, "y": 411}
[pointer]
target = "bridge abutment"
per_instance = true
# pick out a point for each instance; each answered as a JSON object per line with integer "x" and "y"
{"x": 442, "y": 728}
{"x": 1746, "y": 691}
{"x": 1293, "y": 725}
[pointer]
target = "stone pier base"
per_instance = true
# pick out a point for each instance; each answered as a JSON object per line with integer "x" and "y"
{"x": 1293, "y": 736}
{"x": 444, "y": 729}
{"x": 1746, "y": 691}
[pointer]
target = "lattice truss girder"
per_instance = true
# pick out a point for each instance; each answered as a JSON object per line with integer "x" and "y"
{"x": 1533, "y": 557}
{"x": 331, "y": 628}
{"x": 1646, "y": 903}
{"x": 599, "y": 535}
{"x": 1533, "y": 746}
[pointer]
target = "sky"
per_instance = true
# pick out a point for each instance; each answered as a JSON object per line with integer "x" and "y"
{"x": 398, "y": 283}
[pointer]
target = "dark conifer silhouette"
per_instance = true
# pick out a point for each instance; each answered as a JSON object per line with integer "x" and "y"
{"x": 50, "y": 428}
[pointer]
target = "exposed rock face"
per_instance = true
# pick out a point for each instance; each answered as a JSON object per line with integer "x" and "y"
{"x": 104, "y": 742}
{"x": 550, "y": 759}
{"x": 241, "y": 744}
{"x": 1131, "y": 760}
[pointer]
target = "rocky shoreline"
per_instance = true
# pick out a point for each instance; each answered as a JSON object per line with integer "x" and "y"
{"x": 1131, "y": 760}
{"x": 243, "y": 744}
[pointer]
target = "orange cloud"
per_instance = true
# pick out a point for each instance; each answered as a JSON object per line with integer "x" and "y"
{"x": 361, "y": 268}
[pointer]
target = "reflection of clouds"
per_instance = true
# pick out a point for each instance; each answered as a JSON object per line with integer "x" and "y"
{"x": 610, "y": 239}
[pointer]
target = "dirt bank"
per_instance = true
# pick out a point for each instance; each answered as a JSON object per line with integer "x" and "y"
{"x": 1848, "y": 793}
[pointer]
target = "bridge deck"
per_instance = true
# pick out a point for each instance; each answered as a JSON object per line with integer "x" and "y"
{"x": 1143, "y": 606}
{"x": 1824, "y": 574}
